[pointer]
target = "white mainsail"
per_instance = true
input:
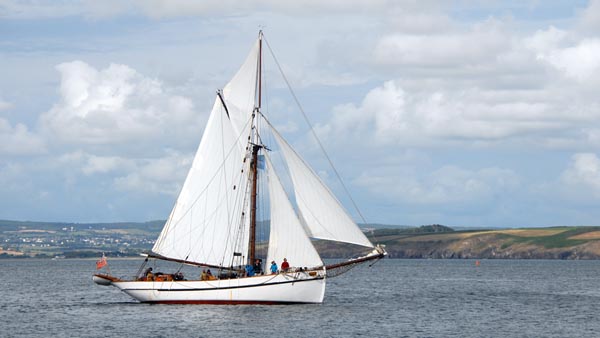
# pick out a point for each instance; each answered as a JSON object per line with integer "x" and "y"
{"x": 209, "y": 222}
{"x": 206, "y": 222}
{"x": 287, "y": 237}
{"x": 322, "y": 214}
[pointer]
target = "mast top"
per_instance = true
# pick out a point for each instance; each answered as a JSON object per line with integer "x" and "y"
{"x": 259, "y": 70}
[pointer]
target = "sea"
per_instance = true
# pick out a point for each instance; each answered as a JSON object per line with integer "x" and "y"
{"x": 393, "y": 298}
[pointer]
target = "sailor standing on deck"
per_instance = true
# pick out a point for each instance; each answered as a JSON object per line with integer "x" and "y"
{"x": 285, "y": 266}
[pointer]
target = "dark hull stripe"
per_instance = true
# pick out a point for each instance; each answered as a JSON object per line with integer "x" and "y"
{"x": 225, "y": 287}
{"x": 225, "y": 302}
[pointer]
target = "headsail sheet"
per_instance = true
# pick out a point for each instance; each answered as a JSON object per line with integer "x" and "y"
{"x": 287, "y": 238}
{"x": 322, "y": 214}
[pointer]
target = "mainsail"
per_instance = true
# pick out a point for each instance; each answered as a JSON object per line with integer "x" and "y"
{"x": 204, "y": 225}
{"x": 209, "y": 222}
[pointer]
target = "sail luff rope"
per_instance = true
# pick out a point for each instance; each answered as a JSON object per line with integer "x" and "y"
{"x": 229, "y": 213}
{"x": 313, "y": 131}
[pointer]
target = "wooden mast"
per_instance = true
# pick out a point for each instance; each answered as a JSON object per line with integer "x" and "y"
{"x": 254, "y": 174}
{"x": 253, "y": 163}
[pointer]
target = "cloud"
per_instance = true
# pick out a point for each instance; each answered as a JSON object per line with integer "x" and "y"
{"x": 106, "y": 164}
{"x": 589, "y": 18}
{"x": 116, "y": 105}
{"x": 177, "y": 8}
{"x": 393, "y": 115}
{"x": 478, "y": 84}
{"x": 583, "y": 174}
{"x": 162, "y": 175}
{"x": 580, "y": 62}
{"x": 159, "y": 175}
{"x": 440, "y": 49}
{"x": 36, "y": 9}
{"x": 543, "y": 41}
{"x": 18, "y": 140}
{"x": 469, "y": 87}
{"x": 447, "y": 184}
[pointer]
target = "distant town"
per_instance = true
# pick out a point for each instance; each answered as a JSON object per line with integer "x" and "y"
{"x": 56, "y": 240}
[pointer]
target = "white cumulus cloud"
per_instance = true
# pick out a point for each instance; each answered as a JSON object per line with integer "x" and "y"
{"x": 116, "y": 105}
{"x": 583, "y": 172}
{"x": 580, "y": 62}
{"x": 393, "y": 115}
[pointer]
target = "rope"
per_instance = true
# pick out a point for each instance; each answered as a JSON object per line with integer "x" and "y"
{"x": 334, "y": 272}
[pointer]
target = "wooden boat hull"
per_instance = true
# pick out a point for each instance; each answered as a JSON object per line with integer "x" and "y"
{"x": 297, "y": 287}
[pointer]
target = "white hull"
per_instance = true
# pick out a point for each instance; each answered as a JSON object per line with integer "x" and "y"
{"x": 296, "y": 287}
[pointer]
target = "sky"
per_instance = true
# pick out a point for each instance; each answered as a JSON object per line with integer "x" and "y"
{"x": 462, "y": 113}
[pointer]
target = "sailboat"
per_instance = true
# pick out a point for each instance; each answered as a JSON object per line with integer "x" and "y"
{"x": 214, "y": 220}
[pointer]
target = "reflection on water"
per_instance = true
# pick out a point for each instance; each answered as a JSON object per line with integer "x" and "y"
{"x": 394, "y": 298}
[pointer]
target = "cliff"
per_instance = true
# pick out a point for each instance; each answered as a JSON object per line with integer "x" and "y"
{"x": 535, "y": 243}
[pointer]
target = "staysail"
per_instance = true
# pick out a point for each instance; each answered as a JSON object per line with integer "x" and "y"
{"x": 321, "y": 213}
{"x": 287, "y": 237}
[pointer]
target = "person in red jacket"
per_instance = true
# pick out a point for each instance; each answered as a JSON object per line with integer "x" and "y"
{"x": 285, "y": 266}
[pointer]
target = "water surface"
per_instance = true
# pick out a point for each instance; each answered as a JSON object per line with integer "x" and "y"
{"x": 394, "y": 298}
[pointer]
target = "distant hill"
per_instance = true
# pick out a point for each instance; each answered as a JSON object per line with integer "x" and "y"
{"x": 383, "y": 226}
{"x": 49, "y": 239}
{"x": 541, "y": 243}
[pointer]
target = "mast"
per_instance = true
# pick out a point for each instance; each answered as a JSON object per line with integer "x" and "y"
{"x": 254, "y": 161}
{"x": 254, "y": 177}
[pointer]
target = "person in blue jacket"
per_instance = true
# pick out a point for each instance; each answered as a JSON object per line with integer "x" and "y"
{"x": 273, "y": 267}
